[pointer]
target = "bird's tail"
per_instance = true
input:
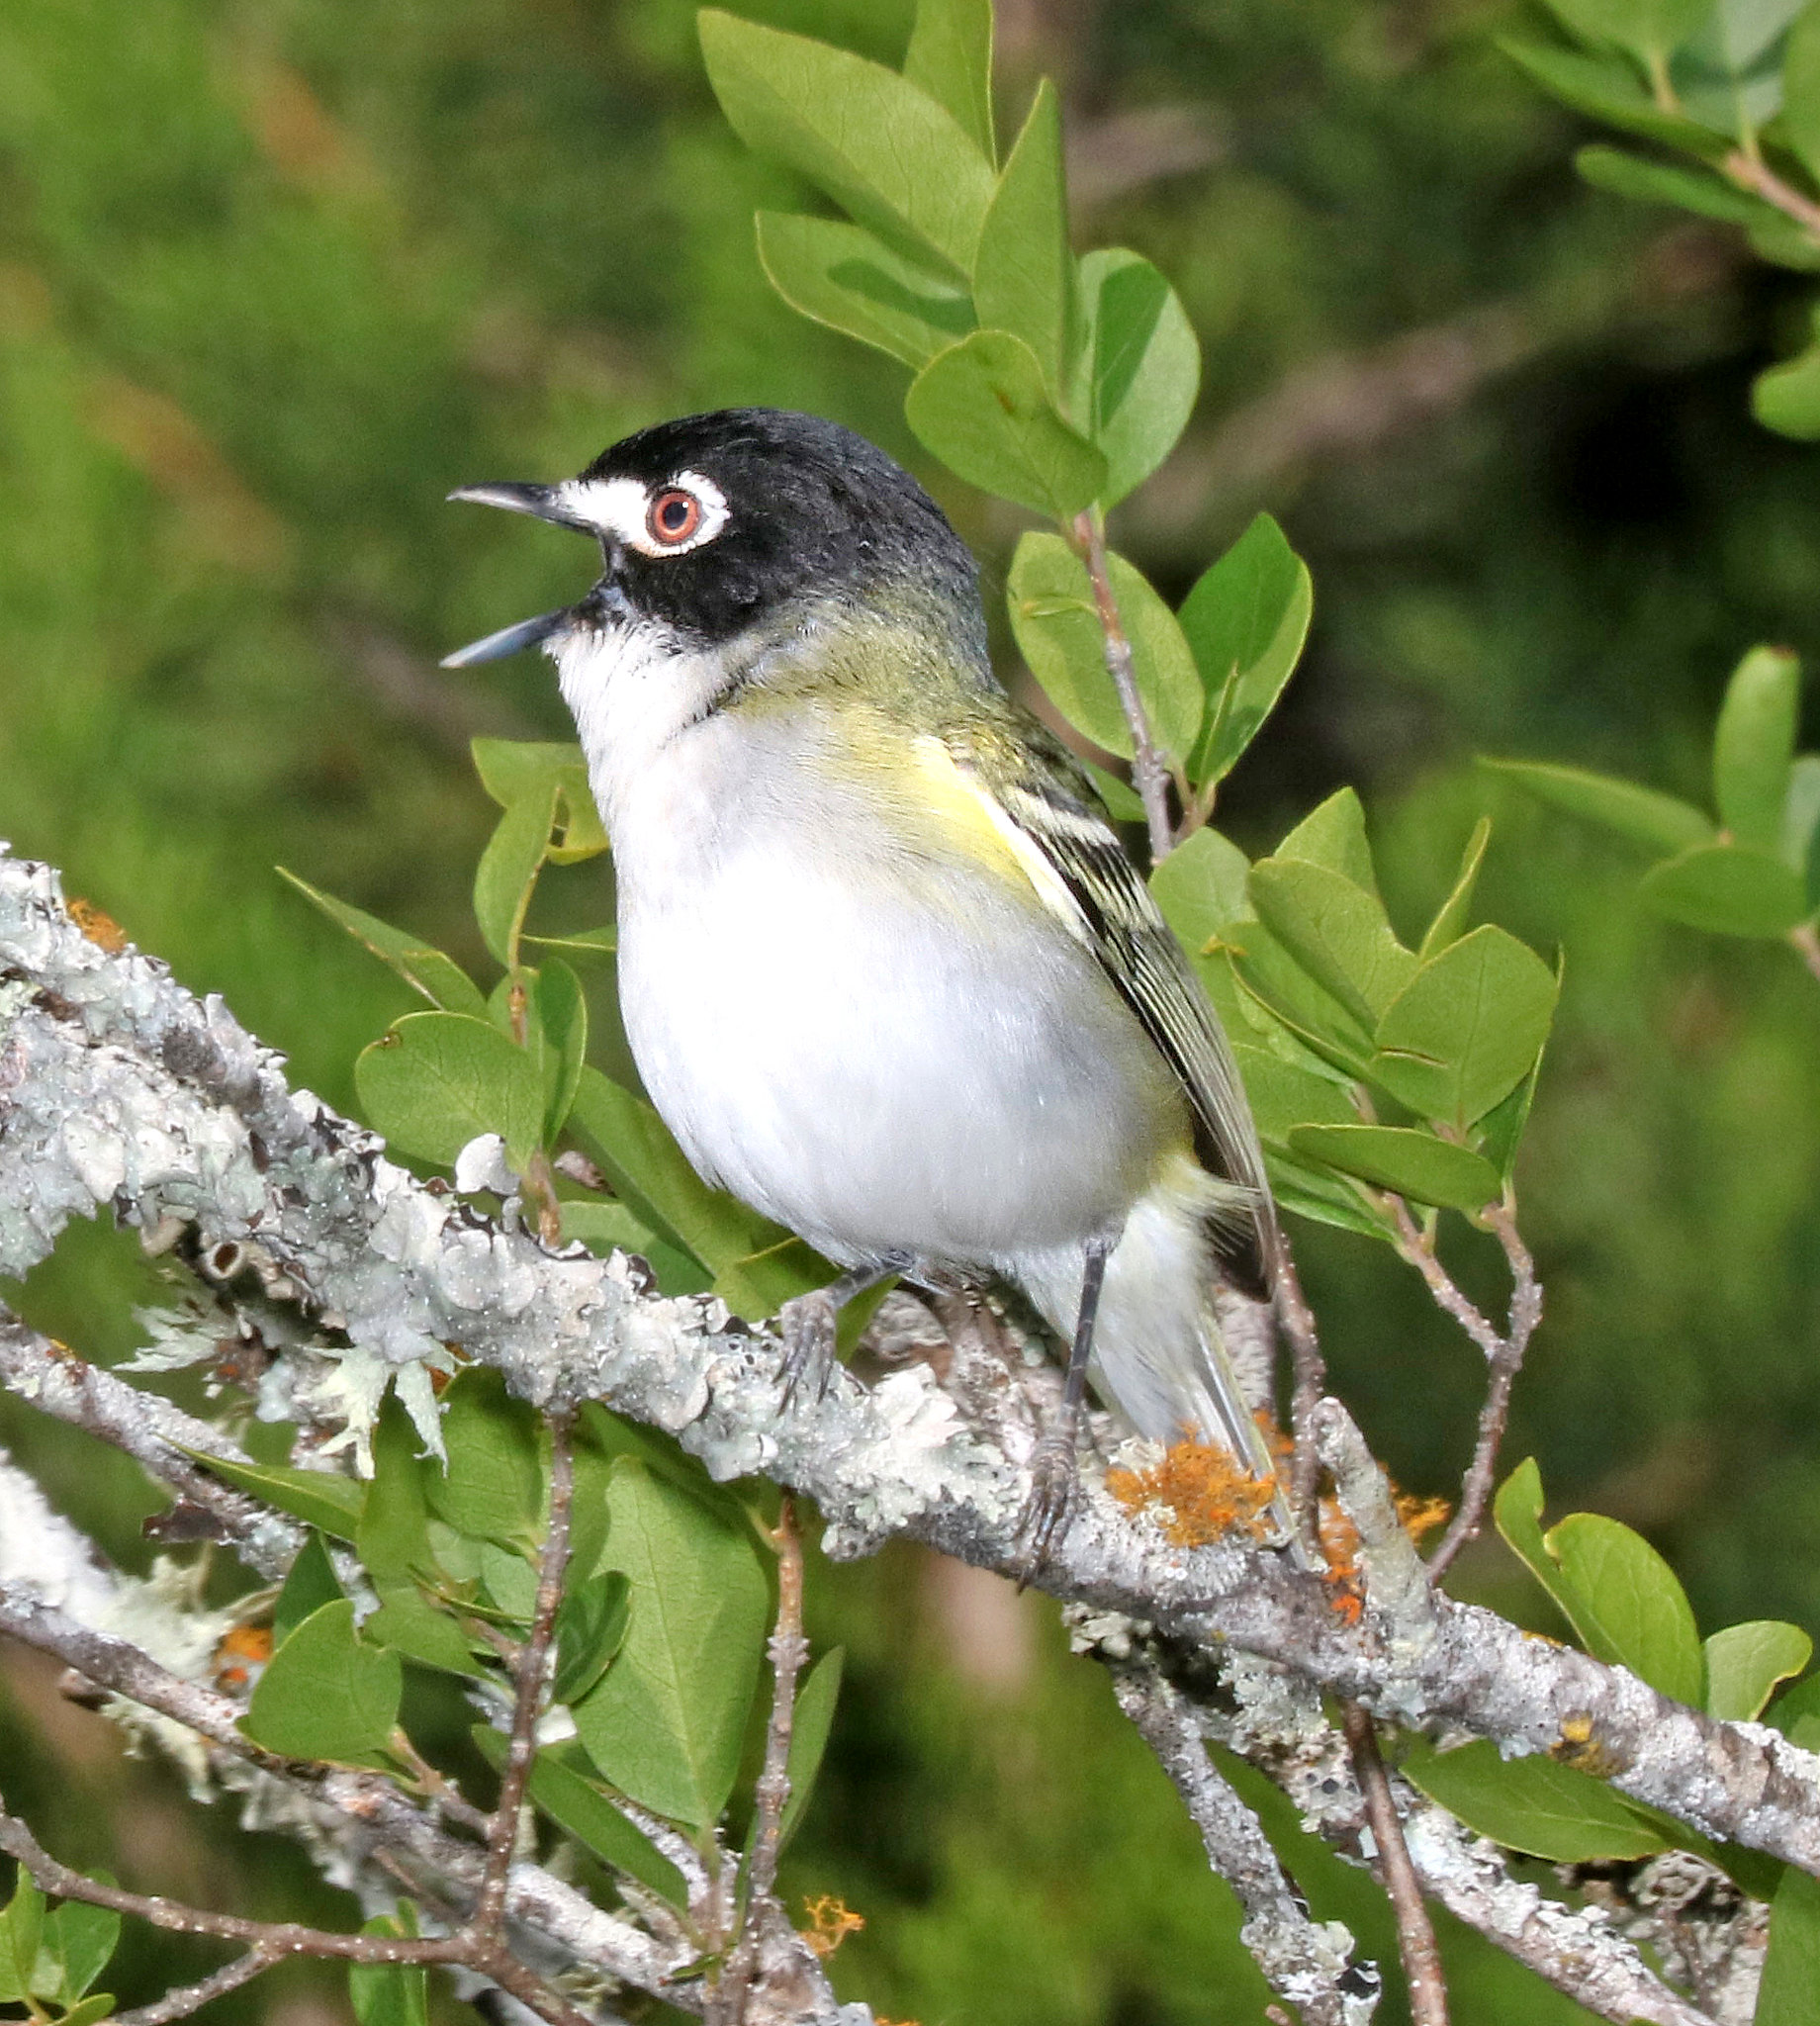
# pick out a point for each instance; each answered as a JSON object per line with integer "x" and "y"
{"x": 1160, "y": 1355}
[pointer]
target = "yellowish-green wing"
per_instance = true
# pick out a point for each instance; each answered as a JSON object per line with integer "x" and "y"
{"x": 1050, "y": 817}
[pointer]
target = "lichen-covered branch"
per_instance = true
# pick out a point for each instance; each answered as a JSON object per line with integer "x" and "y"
{"x": 121, "y": 1091}
{"x": 1305, "y": 1960}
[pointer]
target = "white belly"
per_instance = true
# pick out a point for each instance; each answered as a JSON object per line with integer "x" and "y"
{"x": 879, "y": 1065}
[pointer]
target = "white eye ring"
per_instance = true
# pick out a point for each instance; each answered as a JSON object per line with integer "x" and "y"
{"x": 625, "y": 511}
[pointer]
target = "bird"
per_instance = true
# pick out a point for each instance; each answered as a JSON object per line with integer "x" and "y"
{"x": 887, "y": 973}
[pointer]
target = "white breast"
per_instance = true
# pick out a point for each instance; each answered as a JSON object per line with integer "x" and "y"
{"x": 880, "y": 1052}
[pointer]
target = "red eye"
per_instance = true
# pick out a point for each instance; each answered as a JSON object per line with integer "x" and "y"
{"x": 674, "y": 515}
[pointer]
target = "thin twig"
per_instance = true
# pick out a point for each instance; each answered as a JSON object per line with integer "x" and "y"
{"x": 1149, "y": 776}
{"x": 1310, "y": 1368}
{"x": 1807, "y": 941}
{"x": 1415, "y": 1943}
{"x": 533, "y": 1658}
{"x": 789, "y": 1652}
{"x": 1749, "y": 173}
{"x": 191, "y": 1997}
{"x": 1503, "y": 1350}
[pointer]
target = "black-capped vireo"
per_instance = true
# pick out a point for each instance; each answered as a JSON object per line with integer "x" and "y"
{"x": 886, "y": 972}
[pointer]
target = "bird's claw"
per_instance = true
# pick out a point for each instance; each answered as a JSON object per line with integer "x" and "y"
{"x": 808, "y": 1323}
{"x": 1055, "y": 1485}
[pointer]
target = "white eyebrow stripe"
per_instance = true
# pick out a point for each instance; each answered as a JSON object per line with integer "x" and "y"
{"x": 619, "y": 509}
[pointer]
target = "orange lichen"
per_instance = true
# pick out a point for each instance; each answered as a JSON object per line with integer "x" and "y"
{"x": 831, "y": 1921}
{"x": 1199, "y": 1492}
{"x": 1339, "y": 1545}
{"x": 1420, "y": 1516}
{"x": 101, "y": 929}
{"x": 242, "y": 1655}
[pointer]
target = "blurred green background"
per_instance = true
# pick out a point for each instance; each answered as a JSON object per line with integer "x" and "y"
{"x": 275, "y": 277}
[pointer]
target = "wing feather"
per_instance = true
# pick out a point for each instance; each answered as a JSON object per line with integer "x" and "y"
{"x": 1042, "y": 798}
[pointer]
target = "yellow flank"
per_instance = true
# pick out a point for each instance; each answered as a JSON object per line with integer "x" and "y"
{"x": 971, "y": 811}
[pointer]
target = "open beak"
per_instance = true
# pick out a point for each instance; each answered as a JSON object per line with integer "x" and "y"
{"x": 544, "y": 502}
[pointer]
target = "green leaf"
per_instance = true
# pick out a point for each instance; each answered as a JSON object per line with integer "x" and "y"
{"x": 310, "y": 1582}
{"x": 1276, "y": 983}
{"x": 755, "y": 1266}
{"x": 559, "y": 1785}
{"x": 1729, "y": 890}
{"x": 1467, "y": 1028}
{"x": 1414, "y": 1164}
{"x": 1517, "y": 1513}
{"x": 666, "y": 1722}
{"x": 950, "y": 59}
{"x": 439, "y": 978}
{"x": 1334, "y": 835}
{"x": 437, "y": 1081}
{"x": 89, "y": 2010}
{"x": 1245, "y": 620}
{"x": 327, "y": 1693}
{"x": 1801, "y": 89}
{"x": 1449, "y": 923}
{"x": 880, "y": 147}
{"x": 1321, "y": 1198}
{"x": 1122, "y": 803}
{"x": 389, "y": 1994}
{"x": 1647, "y": 28}
{"x": 591, "y": 1628}
{"x": 1729, "y": 74}
{"x": 393, "y": 1537}
{"x": 1632, "y": 1608}
{"x": 1802, "y": 823}
{"x": 1786, "y": 397}
{"x": 511, "y": 1581}
{"x": 1335, "y": 930}
{"x": 1142, "y": 366}
{"x": 1202, "y": 888}
{"x": 515, "y": 771}
{"x": 841, "y": 275}
{"x": 413, "y": 1627}
{"x": 21, "y": 1927}
{"x": 509, "y": 868}
{"x": 1058, "y": 628}
{"x": 1023, "y": 274}
{"x": 982, "y": 408}
{"x": 814, "y": 1720}
{"x": 1753, "y": 748}
{"x": 561, "y": 1010}
{"x": 1501, "y": 1132}
{"x": 1533, "y": 1804}
{"x": 81, "y": 1938}
{"x": 320, "y": 1498}
{"x": 1659, "y": 821}
{"x": 1791, "y": 1968}
{"x": 1744, "y": 1663}
{"x": 1609, "y": 89}
{"x": 492, "y": 1487}
{"x": 1704, "y": 193}
{"x": 1286, "y": 1097}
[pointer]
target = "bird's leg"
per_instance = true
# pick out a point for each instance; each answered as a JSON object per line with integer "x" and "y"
{"x": 1054, "y": 1469}
{"x": 809, "y": 1322}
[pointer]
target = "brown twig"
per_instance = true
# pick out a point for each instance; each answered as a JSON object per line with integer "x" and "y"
{"x": 1503, "y": 1352}
{"x": 1806, "y": 940}
{"x": 1149, "y": 776}
{"x": 1415, "y": 1943}
{"x": 1750, "y": 172}
{"x": 191, "y": 1997}
{"x": 789, "y": 1651}
{"x": 1310, "y": 1368}
{"x": 533, "y": 1659}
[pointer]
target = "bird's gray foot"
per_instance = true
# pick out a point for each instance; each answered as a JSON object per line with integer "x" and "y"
{"x": 808, "y": 1324}
{"x": 1055, "y": 1488}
